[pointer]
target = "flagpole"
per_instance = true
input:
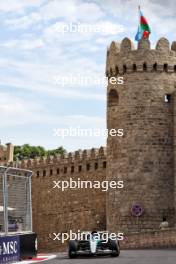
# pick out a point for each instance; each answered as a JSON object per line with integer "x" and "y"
{"x": 139, "y": 9}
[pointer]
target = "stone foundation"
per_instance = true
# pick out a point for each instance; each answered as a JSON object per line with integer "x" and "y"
{"x": 152, "y": 239}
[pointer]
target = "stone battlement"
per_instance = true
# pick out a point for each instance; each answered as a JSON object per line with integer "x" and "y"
{"x": 77, "y": 156}
{"x": 124, "y": 58}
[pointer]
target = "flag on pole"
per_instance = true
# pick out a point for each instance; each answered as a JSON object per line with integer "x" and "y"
{"x": 143, "y": 28}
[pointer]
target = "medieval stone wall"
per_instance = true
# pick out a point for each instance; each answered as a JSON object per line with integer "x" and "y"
{"x": 57, "y": 211}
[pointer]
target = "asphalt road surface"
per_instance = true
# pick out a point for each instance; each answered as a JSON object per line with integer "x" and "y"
{"x": 160, "y": 256}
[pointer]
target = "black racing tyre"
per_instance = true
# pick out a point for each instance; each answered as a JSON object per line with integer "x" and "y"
{"x": 72, "y": 249}
{"x": 114, "y": 247}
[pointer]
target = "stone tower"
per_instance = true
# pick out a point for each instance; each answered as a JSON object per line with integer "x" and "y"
{"x": 6, "y": 153}
{"x": 145, "y": 107}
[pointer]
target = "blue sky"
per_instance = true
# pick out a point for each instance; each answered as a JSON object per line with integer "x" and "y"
{"x": 34, "y": 52}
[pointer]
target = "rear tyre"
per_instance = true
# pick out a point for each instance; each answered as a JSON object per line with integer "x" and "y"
{"x": 72, "y": 251}
{"x": 114, "y": 247}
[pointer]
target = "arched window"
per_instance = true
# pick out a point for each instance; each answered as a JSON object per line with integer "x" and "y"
{"x": 113, "y": 98}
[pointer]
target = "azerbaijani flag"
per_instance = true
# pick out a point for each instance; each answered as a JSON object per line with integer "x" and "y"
{"x": 143, "y": 28}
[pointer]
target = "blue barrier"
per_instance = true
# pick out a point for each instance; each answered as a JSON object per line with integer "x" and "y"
{"x": 9, "y": 249}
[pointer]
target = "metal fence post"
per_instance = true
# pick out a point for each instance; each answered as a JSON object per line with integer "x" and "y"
{"x": 5, "y": 202}
{"x": 30, "y": 201}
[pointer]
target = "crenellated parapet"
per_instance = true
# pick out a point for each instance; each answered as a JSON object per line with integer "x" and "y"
{"x": 124, "y": 58}
{"x": 68, "y": 160}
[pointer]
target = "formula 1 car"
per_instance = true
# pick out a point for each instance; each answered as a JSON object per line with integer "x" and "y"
{"x": 94, "y": 244}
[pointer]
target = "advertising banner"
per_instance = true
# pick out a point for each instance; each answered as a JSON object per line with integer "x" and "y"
{"x": 9, "y": 249}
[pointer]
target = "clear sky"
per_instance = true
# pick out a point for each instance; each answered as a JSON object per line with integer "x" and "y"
{"x": 38, "y": 46}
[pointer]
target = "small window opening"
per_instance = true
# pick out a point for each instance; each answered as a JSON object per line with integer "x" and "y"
{"x": 113, "y": 98}
{"x": 88, "y": 167}
{"x": 165, "y": 67}
{"x": 104, "y": 164}
{"x": 167, "y": 98}
{"x": 164, "y": 219}
{"x": 124, "y": 68}
{"x": 134, "y": 67}
{"x": 145, "y": 67}
{"x": 155, "y": 67}
{"x": 72, "y": 169}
